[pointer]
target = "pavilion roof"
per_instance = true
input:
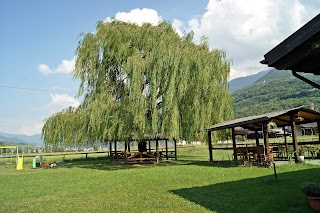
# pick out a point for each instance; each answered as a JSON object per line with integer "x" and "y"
{"x": 300, "y": 52}
{"x": 282, "y": 118}
{"x": 151, "y": 137}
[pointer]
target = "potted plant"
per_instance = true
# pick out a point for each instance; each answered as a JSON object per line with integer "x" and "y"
{"x": 312, "y": 190}
{"x": 300, "y": 156}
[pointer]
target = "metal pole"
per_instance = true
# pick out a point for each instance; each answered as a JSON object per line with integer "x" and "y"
{"x": 275, "y": 171}
{"x": 18, "y": 155}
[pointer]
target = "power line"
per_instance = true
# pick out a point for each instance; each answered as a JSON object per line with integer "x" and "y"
{"x": 32, "y": 89}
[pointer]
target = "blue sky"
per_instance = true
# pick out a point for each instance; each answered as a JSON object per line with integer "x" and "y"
{"x": 38, "y": 41}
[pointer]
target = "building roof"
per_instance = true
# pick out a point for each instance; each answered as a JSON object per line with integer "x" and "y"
{"x": 300, "y": 52}
{"x": 282, "y": 118}
{"x": 150, "y": 137}
{"x": 309, "y": 125}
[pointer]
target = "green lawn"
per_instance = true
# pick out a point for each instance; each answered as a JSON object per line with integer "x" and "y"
{"x": 190, "y": 184}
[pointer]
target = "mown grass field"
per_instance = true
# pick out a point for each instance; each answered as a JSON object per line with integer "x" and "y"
{"x": 190, "y": 184}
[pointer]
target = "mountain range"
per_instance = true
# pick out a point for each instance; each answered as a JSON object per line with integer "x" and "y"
{"x": 239, "y": 83}
{"x": 274, "y": 91}
{"x": 16, "y": 139}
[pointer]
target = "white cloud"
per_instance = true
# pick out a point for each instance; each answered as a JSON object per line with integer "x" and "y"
{"x": 21, "y": 125}
{"x": 33, "y": 126}
{"x": 236, "y": 74}
{"x": 65, "y": 67}
{"x": 30, "y": 128}
{"x": 145, "y": 15}
{"x": 138, "y": 16}
{"x": 177, "y": 25}
{"x": 194, "y": 23}
{"x": 247, "y": 29}
{"x": 62, "y": 101}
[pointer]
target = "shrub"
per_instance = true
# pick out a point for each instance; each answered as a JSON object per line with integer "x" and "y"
{"x": 311, "y": 188}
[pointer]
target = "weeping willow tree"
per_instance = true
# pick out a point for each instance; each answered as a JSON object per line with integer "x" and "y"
{"x": 139, "y": 80}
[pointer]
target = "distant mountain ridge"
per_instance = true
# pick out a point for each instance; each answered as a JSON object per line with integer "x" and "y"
{"x": 241, "y": 82}
{"x": 21, "y": 139}
{"x": 275, "y": 91}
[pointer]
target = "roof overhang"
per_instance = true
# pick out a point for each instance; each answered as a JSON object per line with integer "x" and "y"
{"x": 282, "y": 119}
{"x": 300, "y": 52}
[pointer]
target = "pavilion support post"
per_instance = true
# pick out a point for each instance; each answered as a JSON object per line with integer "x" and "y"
{"x": 294, "y": 137}
{"x": 285, "y": 140}
{"x": 234, "y": 145}
{"x": 210, "y": 146}
{"x": 149, "y": 145}
{"x": 167, "y": 149}
{"x": 125, "y": 146}
{"x": 157, "y": 150}
{"x": 115, "y": 150}
{"x": 318, "y": 125}
{"x": 175, "y": 148}
{"x": 265, "y": 140}
{"x": 125, "y": 151}
{"x": 110, "y": 150}
{"x": 257, "y": 137}
{"x": 129, "y": 148}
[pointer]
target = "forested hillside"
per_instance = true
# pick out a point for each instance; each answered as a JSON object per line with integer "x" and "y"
{"x": 242, "y": 82}
{"x": 275, "y": 91}
{"x": 15, "y": 139}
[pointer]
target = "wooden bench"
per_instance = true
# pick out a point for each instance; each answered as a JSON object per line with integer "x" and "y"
{"x": 116, "y": 155}
{"x": 141, "y": 159}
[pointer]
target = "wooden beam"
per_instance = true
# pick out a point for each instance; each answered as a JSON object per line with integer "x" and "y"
{"x": 234, "y": 145}
{"x": 294, "y": 137}
{"x": 265, "y": 140}
{"x": 257, "y": 125}
{"x": 244, "y": 123}
{"x": 115, "y": 149}
{"x": 257, "y": 137}
{"x": 311, "y": 112}
{"x": 318, "y": 124}
{"x": 281, "y": 120}
{"x": 250, "y": 128}
{"x": 210, "y": 146}
{"x": 125, "y": 151}
{"x": 141, "y": 159}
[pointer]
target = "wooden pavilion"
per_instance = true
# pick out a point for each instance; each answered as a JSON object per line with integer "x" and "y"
{"x": 290, "y": 117}
{"x": 145, "y": 152}
{"x": 300, "y": 52}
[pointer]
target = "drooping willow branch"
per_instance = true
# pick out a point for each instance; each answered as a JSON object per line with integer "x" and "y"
{"x": 143, "y": 80}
